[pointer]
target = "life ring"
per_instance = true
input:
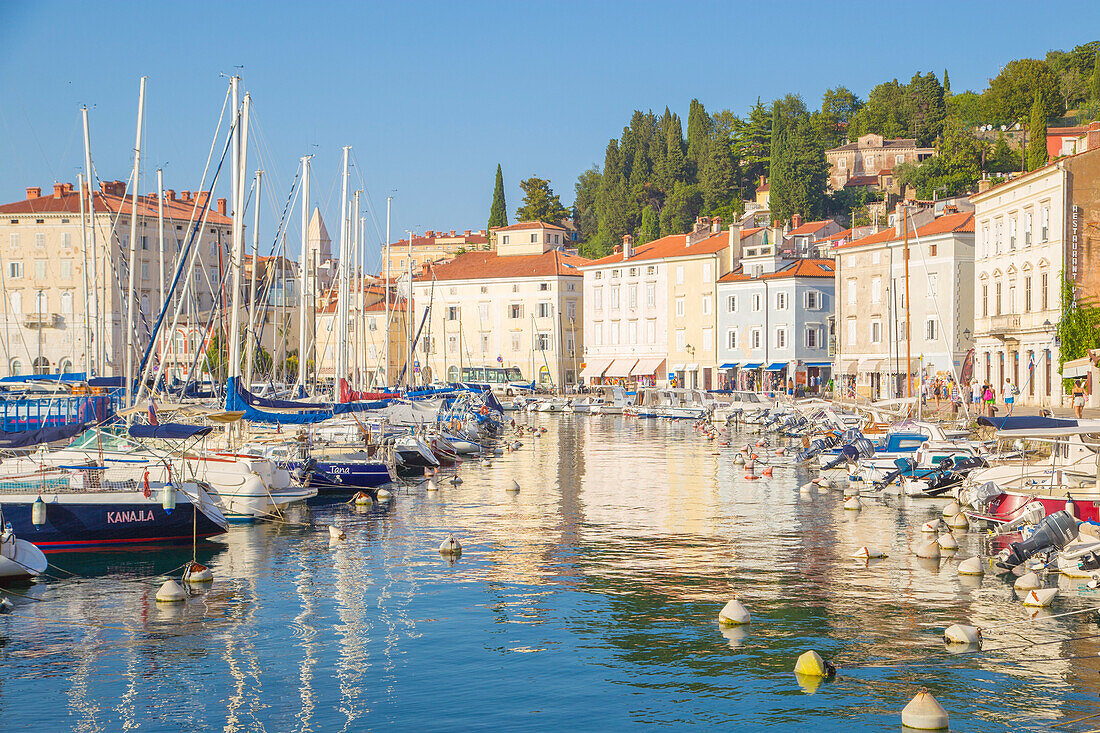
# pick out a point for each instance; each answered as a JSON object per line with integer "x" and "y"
{"x": 146, "y": 490}
{"x": 508, "y": 392}
{"x": 484, "y": 409}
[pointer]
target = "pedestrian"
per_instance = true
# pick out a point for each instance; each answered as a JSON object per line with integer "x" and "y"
{"x": 1079, "y": 393}
{"x": 1010, "y": 393}
{"x": 938, "y": 389}
{"x": 975, "y": 392}
{"x": 989, "y": 398}
{"x": 956, "y": 399}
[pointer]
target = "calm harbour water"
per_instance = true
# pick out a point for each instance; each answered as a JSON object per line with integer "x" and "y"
{"x": 588, "y": 600}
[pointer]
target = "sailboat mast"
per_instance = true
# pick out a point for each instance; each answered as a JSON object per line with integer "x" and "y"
{"x": 133, "y": 249}
{"x": 357, "y": 281}
{"x": 160, "y": 243}
{"x": 303, "y": 273}
{"x": 236, "y": 259}
{"x": 342, "y": 302}
{"x": 84, "y": 270}
{"x": 251, "y": 307}
{"x": 361, "y": 322}
{"x": 96, "y": 340}
{"x": 908, "y": 316}
{"x": 386, "y": 284}
{"x": 409, "y": 317}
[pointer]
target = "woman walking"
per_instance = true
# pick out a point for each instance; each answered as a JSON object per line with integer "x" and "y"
{"x": 1079, "y": 393}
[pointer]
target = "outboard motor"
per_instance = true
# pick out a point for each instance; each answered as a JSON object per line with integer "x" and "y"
{"x": 859, "y": 448}
{"x": 903, "y": 465}
{"x": 1054, "y": 532}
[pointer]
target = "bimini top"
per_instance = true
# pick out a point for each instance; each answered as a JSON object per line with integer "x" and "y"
{"x": 170, "y": 431}
{"x": 1035, "y": 426}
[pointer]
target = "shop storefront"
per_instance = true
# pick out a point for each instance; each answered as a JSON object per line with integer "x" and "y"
{"x": 644, "y": 373}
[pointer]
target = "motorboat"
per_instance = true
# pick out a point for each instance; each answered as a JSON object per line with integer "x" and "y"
{"x": 611, "y": 400}
{"x": 18, "y": 558}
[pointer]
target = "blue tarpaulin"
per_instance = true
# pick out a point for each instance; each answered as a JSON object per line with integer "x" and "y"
{"x": 28, "y": 438}
{"x": 1026, "y": 422}
{"x": 169, "y": 431}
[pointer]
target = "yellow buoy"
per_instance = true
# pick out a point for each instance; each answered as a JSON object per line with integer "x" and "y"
{"x": 734, "y": 614}
{"x": 811, "y": 664}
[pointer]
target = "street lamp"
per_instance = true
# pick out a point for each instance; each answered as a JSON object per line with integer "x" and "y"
{"x": 966, "y": 334}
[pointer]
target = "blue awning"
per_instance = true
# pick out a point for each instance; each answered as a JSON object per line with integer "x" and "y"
{"x": 728, "y": 365}
{"x": 776, "y": 367}
{"x": 819, "y": 364}
{"x": 753, "y": 365}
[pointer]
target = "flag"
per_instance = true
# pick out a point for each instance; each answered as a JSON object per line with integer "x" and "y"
{"x": 153, "y": 413}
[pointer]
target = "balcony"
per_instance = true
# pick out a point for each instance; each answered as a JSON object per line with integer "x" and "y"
{"x": 42, "y": 320}
{"x": 1004, "y": 327}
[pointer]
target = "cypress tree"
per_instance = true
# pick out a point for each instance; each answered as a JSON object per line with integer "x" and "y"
{"x": 946, "y": 84}
{"x": 717, "y": 178}
{"x": 498, "y": 212}
{"x": 1037, "y": 132}
{"x": 1094, "y": 83}
{"x": 698, "y": 136}
{"x": 651, "y": 226}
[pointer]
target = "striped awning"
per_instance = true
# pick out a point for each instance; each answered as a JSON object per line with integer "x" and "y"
{"x": 595, "y": 368}
{"x": 620, "y": 368}
{"x": 646, "y": 367}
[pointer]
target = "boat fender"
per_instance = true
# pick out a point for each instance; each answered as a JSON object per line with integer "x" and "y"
{"x": 145, "y": 481}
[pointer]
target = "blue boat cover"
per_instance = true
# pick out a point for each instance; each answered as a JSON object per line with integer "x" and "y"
{"x": 70, "y": 377}
{"x": 29, "y": 438}
{"x": 1026, "y": 422}
{"x": 169, "y": 431}
{"x": 105, "y": 382}
{"x": 492, "y": 402}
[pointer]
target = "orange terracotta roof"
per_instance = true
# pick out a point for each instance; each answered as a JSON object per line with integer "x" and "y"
{"x": 806, "y": 267}
{"x": 843, "y": 234}
{"x": 674, "y": 246}
{"x": 483, "y": 265}
{"x": 809, "y": 227}
{"x": 962, "y": 223}
{"x": 69, "y": 203}
{"x": 528, "y": 225}
{"x": 749, "y": 231}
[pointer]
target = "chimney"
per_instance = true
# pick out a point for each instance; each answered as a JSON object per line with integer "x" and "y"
{"x": 201, "y": 198}
{"x": 34, "y": 192}
{"x": 628, "y": 246}
{"x": 735, "y": 244}
{"x": 185, "y": 195}
{"x": 763, "y": 180}
{"x": 466, "y": 233}
{"x": 58, "y": 190}
{"x": 984, "y": 185}
{"x": 68, "y": 188}
{"x": 1092, "y": 139}
{"x": 899, "y": 220}
{"x": 796, "y": 221}
{"x": 169, "y": 194}
{"x": 716, "y": 225}
{"x": 618, "y": 248}
{"x": 222, "y": 206}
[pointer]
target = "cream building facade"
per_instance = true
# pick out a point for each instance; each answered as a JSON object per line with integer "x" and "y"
{"x": 519, "y": 306}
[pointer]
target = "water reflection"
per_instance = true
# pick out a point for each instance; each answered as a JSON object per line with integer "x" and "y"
{"x": 589, "y": 599}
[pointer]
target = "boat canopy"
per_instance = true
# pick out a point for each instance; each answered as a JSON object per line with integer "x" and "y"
{"x": 28, "y": 438}
{"x": 170, "y": 431}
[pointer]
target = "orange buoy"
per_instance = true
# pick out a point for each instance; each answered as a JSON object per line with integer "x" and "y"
{"x": 766, "y": 472}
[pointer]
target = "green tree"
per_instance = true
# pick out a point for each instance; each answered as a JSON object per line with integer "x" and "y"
{"x": 585, "y": 216}
{"x": 651, "y": 226}
{"x": 752, "y": 144}
{"x": 540, "y": 203}
{"x": 946, "y": 84}
{"x": 681, "y": 209}
{"x": 927, "y": 108}
{"x": 215, "y": 359}
{"x": 954, "y": 171}
{"x": 290, "y": 367}
{"x": 718, "y": 179}
{"x": 1003, "y": 159}
{"x": 698, "y": 137}
{"x": 1037, "y": 136}
{"x": 838, "y": 106}
{"x": 1011, "y": 94}
{"x": 1094, "y": 83}
{"x": 498, "y": 212}
{"x": 967, "y": 108}
{"x": 887, "y": 112}
{"x": 1074, "y": 87}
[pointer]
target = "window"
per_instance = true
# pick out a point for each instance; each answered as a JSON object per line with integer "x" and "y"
{"x": 850, "y": 335}
{"x": 615, "y": 274}
{"x": 679, "y": 274}
{"x": 1044, "y": 222}
{"x": 868, "y": 163}
{"x": 544, "y": 286}
{"x": 781, "y": 301}
{"x": 681, "y": 340}
{"x": 15, "y": 270}
{"x": 931, "y": 250}
{"x": 615, "y": 297}
{"x": 812, "y": 300}
{"x": 515, "y": 342}
{"x": 650, "y": 295}
{"x": 483, "y": 312}
{"x": 545, "y": 310}
{"x": 534, "y": 238}
{"x": 571, "y": 309}
{"x": 780, "y": 338}
{"x": 876, "y": 332}
{"x": 144, "y": 270}
{"x": 505, "y": 239}
{"x": 41, "y": 302}
{"x": 931, "y": 285}
{"x": 875, "y": 258}
{"x": 17, "y": 301}
{"x": 708, "y": 338}
{"x": 1043, "y": 291}
{"x": 811, "y": 337}
{"x": 515, "y": 310}
{"x": 842, "y": 163}
{"x": 452, "y": 313}
{"x": 599, "y": 276}
{"x": 597, "y": 333}
{"x": 452, "y": 344}
{"x": 571, "y": 287}
{"x": 985, "y": 300}
{"x": 632, "y": 295}
{"x": 876, "y": 290}
{"x": 899, "y": 159}
{"x": 484, "y": 289}
{"x": 731, "y": 303}
{"x": 484, "y": 343}
{"x": 1011, "y": 298}
{"x": 614, "y": 333}
{"x": 13, "y": 240}
{"x": 1027, "y": 294}
{"x": 1027, "y": 228}
{"x": 40, "y": 241}
{"x": 731, "y": 339}
{"x": 997, "y": 298}
{"x": 756, "y": 298}
{"x": 679, "y": 307}
{"x": 708, "y": 305}
{"x": 66, "y": 269}
{"x": 651, "y": 331}
{"x": 1000, "y": 230}
{"x": 66, "y": 239}
{"x": 569, "y": 346}
{"x": 851, "y": 291}
{"x": 983, "y": 245}
{"x": 597, "y": 299}
{"x": 16, "y": 367}
{"x": 930, "y": 330}
{"x": 144, "y": 303}
{"x": 144, "y": 242}
{"x": 755, "y": 338}
{"x": 634, "y": 272}
{"x": 651, "y": 270}
{"x": 708, "y": 272}
{"x": 453, "y": 291}
{"x": 632, "y": 332}
{"x": 40, "y": 269}
{"x": 1012, "y": 232}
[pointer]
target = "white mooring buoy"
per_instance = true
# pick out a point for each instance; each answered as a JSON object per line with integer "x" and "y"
{"x": 362, "y": 498}
{"x": 951, "y": 509}
{"x": 197, "y": 573}
{"x": 514, "y": 486}
{"x": 335, "y": 533}
{"x": 959, "y": 521}
{"x": 456, "y": 480}
{"x": 971, "y": 566}
{"x": 171, "y": 592}
{"x": 853, "y": 504}
{"x": 734, "y": 613}
{"x": 866, "y": 553}
{"x": 948, "y": 542}
{"x": 929, "y": 550}
{"x": 432, "y": 486}
{"x": 924, "y": 713}
{"x": 1026, "y": 582}
{"x": 450, "y": 547}
{"x": 962, "y": 634}
{"x": 932, "y": 527}
{"x": 1040, "y": 597}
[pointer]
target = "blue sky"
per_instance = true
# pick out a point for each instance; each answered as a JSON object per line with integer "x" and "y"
{"x": 433, "y": 95}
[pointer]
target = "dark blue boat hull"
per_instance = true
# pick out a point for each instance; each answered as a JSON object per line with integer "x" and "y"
{"x": 78, "y": 526}
{"x": 336, "y": 477}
